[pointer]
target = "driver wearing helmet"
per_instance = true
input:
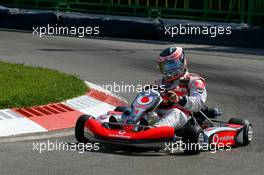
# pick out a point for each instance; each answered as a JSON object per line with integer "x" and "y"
{"x": 184, "y": 92}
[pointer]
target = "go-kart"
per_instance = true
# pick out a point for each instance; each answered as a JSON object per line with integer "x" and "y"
{"x": 129, "y": 126}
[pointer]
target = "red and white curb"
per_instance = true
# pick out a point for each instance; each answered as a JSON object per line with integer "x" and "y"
{"x": 58, "y": 116}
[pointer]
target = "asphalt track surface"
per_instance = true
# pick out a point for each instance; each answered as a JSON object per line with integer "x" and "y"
{"x": 235, "y": 84}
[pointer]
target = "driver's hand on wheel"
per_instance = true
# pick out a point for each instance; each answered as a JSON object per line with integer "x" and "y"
{"x": 173, "y": 97}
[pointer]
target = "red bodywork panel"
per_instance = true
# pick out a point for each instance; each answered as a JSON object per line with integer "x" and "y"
{"x": 150, "y": 134}
{"x": 233, "y": 125}
{"x": 226, "y": 138}
{"x": 114, "y": 113}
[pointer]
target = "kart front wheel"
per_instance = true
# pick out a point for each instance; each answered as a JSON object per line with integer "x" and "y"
{"x": 79, "y": 129}
{"x": 193, "y": 140}
{"x": 248, "y": 130}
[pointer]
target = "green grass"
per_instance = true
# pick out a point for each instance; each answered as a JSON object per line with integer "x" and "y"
{"x": 24, "y": 86}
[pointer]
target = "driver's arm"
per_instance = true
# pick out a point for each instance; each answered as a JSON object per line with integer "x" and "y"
{"x": 197, "y": 97}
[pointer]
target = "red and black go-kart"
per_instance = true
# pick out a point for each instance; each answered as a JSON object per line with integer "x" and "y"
{"x": 128, "y": 126}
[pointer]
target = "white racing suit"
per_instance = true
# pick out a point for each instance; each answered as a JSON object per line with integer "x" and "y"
{"x": 191, "y": 89}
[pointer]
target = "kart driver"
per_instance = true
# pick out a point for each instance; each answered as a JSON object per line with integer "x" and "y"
{"x": 184, "y": 92}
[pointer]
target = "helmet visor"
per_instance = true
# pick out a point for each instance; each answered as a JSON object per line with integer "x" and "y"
{"x": 171, "y": 66}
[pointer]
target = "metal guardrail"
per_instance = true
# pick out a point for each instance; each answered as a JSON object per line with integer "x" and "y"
{"x": 241, "y": 11}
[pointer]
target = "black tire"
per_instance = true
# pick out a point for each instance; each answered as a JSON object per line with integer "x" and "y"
{"x": 193, "y": 140}
{"x": 79, "y": 129}
{"x": 120, "y": 108}
{"x": 237, "y": 121}
{"x": 248, "y": 129}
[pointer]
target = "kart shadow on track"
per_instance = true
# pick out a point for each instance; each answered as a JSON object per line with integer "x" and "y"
{"x": 120, "y": 150}
{"x": 127, "y": 151}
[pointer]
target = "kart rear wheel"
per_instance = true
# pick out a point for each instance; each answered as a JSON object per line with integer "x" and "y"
{"x": 248, "y": 131}
{"x": 193, "y": 140}
{"x": 79, "y": 129}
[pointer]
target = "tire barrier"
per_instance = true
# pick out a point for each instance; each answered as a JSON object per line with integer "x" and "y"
{"x": 26, "y": 20}
{"x": 111, "y": 27}
{"x": 135, "y": 28}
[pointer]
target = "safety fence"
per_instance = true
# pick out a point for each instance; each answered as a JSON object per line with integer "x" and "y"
{"x": 240, "y": 11}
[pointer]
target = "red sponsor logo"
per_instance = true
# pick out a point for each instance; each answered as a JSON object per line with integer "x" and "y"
{"x": 145, "y": 99}
{"x": 224, "y": 138}
{"x": 122, "y": 132}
